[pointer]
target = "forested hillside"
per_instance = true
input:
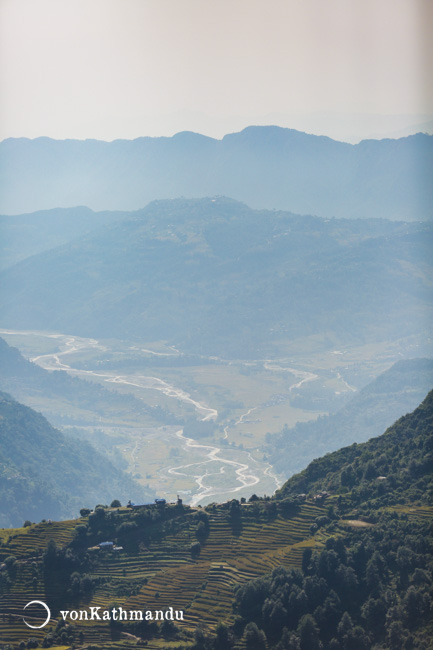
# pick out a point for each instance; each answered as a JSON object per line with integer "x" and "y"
{"x": 367, "y": 414}
{"x": 368, "y": 585}
{"x": 44, "y": 474}
{"x": 394, "y": 468}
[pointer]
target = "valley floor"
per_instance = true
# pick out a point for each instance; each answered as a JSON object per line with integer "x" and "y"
{"x": 238, "y": 401}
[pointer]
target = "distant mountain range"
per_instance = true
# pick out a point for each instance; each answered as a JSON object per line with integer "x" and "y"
{"x": 216, "y": 277}
{"x": 265, "y": 166}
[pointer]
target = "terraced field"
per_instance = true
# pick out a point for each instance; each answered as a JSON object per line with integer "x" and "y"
{"x": 27, "y": 545}
{"x": 25, "y": 542}
{"x": 159, "y": 575}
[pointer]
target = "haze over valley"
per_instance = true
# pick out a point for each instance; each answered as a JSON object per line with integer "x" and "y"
{"x": 200, "y": 345}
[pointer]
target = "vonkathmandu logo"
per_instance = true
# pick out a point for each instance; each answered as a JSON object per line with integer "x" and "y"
{"x": 120, "y": 614}
{"x": 47, "y": 609}
{"x": 113, "y": 614}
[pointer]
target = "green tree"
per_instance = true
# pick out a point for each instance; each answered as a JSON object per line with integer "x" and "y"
{"x": 396, "y": 635}
{"x": 201, "y": 531}
{"x": 308, "y": 633}
{"x": 288, "y": 641}
{"x": 224, "y": 640}
{"x": 254, "y": 638}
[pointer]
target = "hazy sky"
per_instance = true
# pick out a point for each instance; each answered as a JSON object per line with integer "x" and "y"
{"x": 125, "y": 68}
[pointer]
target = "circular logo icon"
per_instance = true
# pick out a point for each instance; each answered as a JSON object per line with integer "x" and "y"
{"x": 38, "y": 602}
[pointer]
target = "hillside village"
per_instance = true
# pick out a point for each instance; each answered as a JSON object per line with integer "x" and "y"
{"x": 213, "y": 563}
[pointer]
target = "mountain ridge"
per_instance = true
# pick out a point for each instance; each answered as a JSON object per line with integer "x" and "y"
{"x": 226, "y": 269}
{"x": 267, "y": 167}
{"x": 27, "y": 234}
{"x": 248, "y": 129}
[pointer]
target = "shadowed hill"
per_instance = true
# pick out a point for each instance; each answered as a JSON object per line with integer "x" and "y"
{"x": 45, "y": 474}
{"x": 394, "y": 468}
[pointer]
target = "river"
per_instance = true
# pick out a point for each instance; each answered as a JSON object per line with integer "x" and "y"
{"x": 243, "y": 475}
